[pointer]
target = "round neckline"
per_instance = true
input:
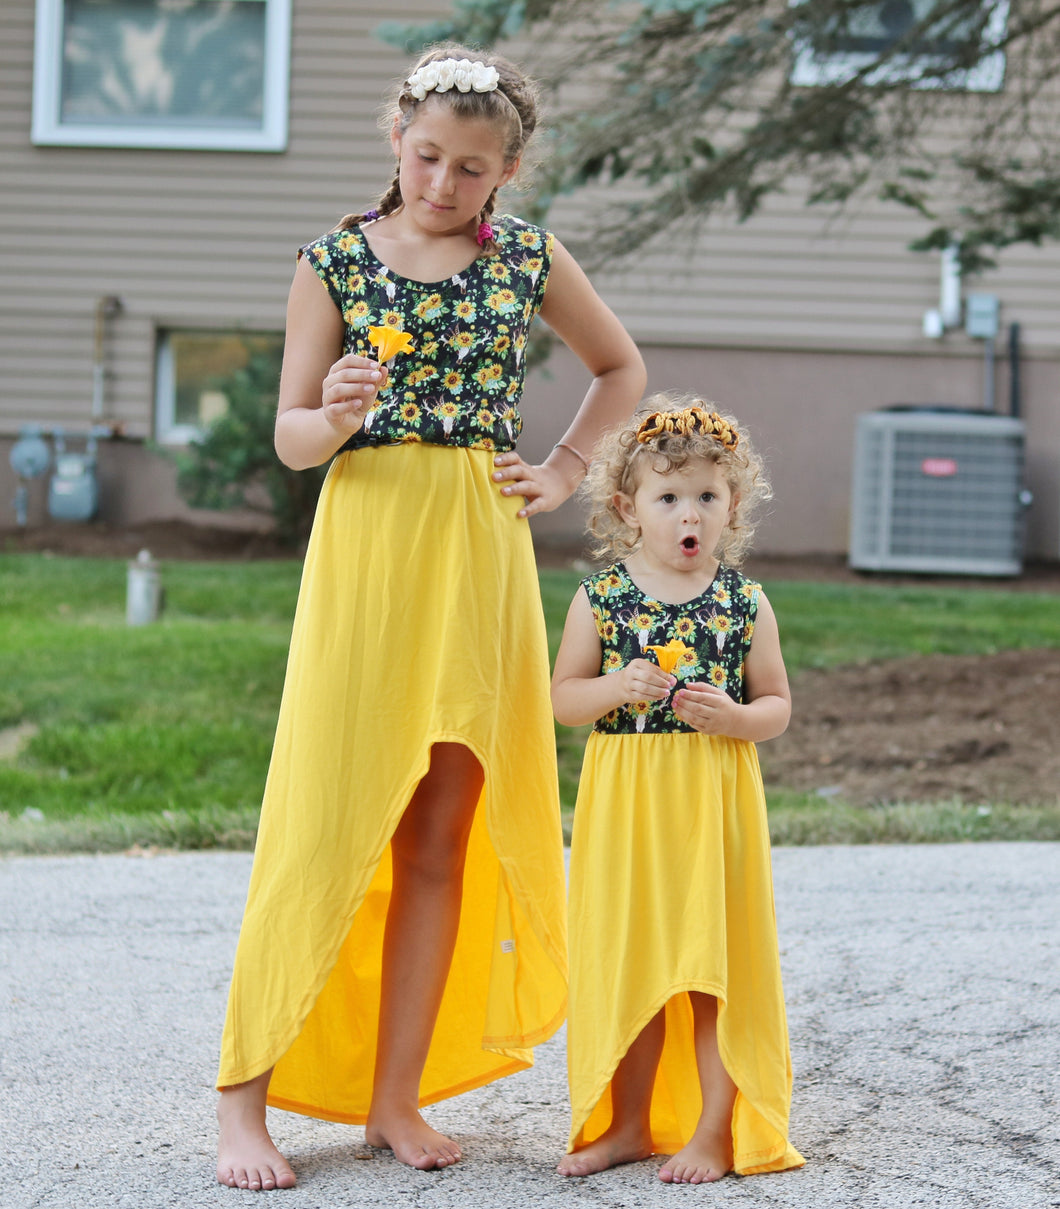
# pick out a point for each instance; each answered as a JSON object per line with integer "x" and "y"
{"x": 396, "y": 276}
{"x": 673, "y": 604}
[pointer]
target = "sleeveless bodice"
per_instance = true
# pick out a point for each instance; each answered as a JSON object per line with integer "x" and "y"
{"x": 716, "y": 626}
{"x": 462, "y": 382}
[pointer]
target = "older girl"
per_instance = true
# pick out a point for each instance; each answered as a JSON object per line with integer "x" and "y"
{"x": 404, "y": 934}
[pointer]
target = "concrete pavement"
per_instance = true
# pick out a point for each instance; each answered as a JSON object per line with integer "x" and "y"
{"x": 923, "y": 990}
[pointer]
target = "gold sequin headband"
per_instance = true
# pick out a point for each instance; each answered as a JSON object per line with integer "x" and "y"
{"x": 685, "y": 423}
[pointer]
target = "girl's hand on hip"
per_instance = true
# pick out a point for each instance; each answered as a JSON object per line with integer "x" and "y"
{"x": 349, "y": 390}
{"x": 708, "y": 709}
{"x": 642, "y": 680}
{"x": 542, "y": 487}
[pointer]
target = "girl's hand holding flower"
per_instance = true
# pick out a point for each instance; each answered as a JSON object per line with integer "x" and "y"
{"x": 642, "y": 680}
{"x": 349, "y": 390}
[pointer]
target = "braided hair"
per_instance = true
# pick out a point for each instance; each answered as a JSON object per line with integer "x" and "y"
{"x": 512, "y": 107}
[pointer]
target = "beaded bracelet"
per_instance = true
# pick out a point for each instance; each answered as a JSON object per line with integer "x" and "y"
{"x": 570, "y": 449}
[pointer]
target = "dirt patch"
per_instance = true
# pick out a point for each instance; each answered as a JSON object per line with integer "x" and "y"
{"x": 963, "y": 728}
{"x": 938, "y": 727}
{"x": 165, "y": 539}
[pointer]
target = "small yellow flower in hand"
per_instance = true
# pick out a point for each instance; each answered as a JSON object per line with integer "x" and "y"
{"x": 670, "y": 656}
{"x": 388, "y": 342}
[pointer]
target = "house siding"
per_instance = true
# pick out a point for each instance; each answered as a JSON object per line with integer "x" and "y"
{"x": 795, "y": 321}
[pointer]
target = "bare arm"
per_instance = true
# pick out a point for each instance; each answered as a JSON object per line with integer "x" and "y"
{"x": 580, "y": 694}
{"x": 324, "y": 396}
{"x": 590, "y": 329}
{"x": 766, "y": 707}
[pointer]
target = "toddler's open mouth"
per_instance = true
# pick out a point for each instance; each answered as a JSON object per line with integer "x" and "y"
{"x": 690, "y": 545}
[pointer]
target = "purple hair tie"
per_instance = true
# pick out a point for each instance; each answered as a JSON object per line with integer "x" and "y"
{"x": 371, "y": 215}
{"x": 485, "y": 233}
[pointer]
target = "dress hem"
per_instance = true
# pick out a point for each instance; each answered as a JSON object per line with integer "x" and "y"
{"x": 777, "y": 1158}
{"x": 494, "y": 1044}
{"x": 360, "y": 1118}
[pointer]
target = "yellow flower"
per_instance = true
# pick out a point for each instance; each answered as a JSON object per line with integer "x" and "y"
{"x": 671, "y": 655}
{"x": 717, "y": 675}
{"x": 388, "y": 343}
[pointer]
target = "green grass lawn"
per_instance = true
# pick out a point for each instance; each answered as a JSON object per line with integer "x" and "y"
{"x": 112, "y": 735}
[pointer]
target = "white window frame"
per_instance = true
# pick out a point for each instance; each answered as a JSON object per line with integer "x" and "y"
{"x": 49, "y": 129}
{"x": 811, "y": 69}
{"x": 167, "y": 430}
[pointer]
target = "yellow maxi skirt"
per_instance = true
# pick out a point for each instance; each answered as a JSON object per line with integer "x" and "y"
{"x": 418, "y": 622}
{"x": 670, "y": 892}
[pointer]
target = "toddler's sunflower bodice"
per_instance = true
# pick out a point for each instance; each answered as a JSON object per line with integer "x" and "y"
{"x": 461, "y": 383}
{"x": 715, "y": 630}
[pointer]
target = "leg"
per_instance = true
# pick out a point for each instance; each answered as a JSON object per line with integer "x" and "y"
{"x": 708, "y": 1155}
{"x": 246, "y": 1156}
{"x": 628, "y": 1138}
{"x": 428, "y": 850}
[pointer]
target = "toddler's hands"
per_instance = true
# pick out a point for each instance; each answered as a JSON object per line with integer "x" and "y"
{"x": 349, "y": 390}
{"x": 642, "y": 680}
{"x": 542, "y": 487}
{"x": 706, "y": 708}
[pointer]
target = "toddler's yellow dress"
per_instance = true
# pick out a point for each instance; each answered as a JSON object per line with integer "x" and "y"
{"x": 418, "y": 622}
{"x": 671, "y": 885}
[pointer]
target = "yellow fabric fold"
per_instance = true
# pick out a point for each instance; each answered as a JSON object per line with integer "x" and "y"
{"x": 418, "y": 622}
{"x": 670, "y": 893}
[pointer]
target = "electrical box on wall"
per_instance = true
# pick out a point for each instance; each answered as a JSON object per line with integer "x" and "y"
{"x": 938, "y": 490}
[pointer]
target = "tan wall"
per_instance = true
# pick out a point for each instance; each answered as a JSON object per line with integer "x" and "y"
{"x": 181, "y": 237}
{"x": 802, "y": 407}
{"x": 795, "y": 323}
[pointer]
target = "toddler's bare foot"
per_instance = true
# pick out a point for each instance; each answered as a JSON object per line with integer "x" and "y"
{"x": 411, "y": 1139}
{"x": 611, "y": 1149}
{"x": 246, "y": 1156}
{"x": 704, "y": 1160}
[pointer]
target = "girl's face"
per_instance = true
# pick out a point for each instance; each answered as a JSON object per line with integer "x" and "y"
{"x": 449, "y": 166}
{"x": 679, "y": 514}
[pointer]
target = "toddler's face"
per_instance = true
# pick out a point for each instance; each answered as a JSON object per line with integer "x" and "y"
{"x": 680, "y": 514}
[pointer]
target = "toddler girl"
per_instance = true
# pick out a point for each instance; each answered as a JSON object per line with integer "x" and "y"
{"x": 677, "y": 1035}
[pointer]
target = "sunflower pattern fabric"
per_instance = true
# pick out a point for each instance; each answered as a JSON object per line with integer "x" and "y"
{"x": 461, "y": 383}
{"x": 717, "y": 627}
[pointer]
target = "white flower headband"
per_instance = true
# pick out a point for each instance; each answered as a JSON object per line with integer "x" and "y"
{"x": 443, "y": 74}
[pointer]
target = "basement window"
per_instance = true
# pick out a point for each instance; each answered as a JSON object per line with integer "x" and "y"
{"x": 197, "y": 372}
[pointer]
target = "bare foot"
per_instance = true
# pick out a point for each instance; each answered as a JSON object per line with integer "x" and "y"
{"x": 246, "y": 1156}
{"x": 611, "y": 1149}
{"x": 411, "y": 1139}
{"x": 704, "y": 1160}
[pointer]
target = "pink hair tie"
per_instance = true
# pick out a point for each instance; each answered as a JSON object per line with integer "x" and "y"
{"x": 485, "y": 233}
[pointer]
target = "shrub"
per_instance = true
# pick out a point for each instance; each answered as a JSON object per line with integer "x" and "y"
{"x": 234, "y": 464}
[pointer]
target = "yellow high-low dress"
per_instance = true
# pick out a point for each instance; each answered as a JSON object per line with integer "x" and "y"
{"x": 671, "y": 886}
{"x": 418, "y": 622}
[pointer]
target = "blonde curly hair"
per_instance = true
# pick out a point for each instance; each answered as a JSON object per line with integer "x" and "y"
{"x": 667, "y": 433}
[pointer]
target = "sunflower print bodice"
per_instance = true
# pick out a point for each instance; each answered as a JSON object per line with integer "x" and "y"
{"x": 716, "y": 626}
{"x": 462, "y": 382}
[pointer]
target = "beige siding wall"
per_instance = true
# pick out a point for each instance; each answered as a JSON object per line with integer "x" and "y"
{"x": 801, "y": 408}
{"x": 793, "y": 322}
{"x": 182, "y": 238}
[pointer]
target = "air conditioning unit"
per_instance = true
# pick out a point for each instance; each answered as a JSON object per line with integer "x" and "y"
{"x": 938, "y": 490}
